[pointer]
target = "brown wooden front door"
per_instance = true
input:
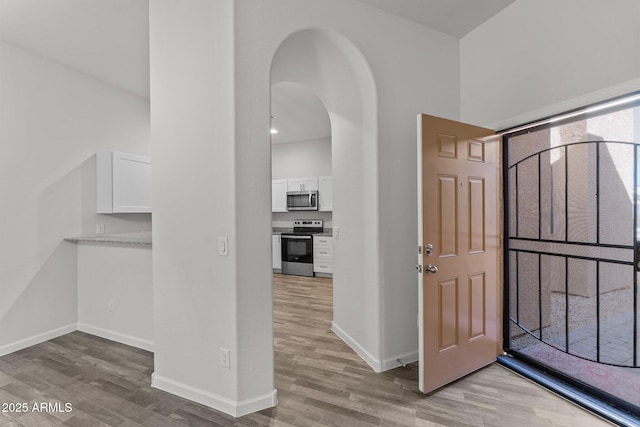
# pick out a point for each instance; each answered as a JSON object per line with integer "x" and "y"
{"x": 458, "y": 218}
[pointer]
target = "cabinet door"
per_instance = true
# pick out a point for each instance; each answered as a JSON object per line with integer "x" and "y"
{"x": 325, "y": 193}
{"x": 310, "y": 184}
{"x": 295, "y": 184}
{"x": 123, "y": 183}
{"x": 303, "y": 184}
{"x": 131, "y": 183}
{"x": 279, "y": 195}
{"x": 323, "y": 254}
{"x": 276, "y": 245}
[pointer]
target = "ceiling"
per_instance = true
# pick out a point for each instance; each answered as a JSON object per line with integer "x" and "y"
{"x": 297, "y": 114}
{"x": 106, "y": 39}
{"x": 453, "y": 17}
{"x": 109, "y": 40}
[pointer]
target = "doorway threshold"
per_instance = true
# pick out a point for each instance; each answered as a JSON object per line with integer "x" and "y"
{"x": 570, "y": 392}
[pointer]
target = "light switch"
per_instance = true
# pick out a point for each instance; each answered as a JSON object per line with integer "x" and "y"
{"x": 336, "y": 233}
{"x": 223, "y": 246}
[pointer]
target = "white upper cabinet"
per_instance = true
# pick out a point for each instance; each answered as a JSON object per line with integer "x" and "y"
{"x": 325, "y": 193}
{"x": 123, "y": 182}
{"x": 279, "y": 195}
{"x": 303, "y": 184}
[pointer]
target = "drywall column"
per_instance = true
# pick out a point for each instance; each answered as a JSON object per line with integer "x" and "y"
{"x": 197, "y": 291}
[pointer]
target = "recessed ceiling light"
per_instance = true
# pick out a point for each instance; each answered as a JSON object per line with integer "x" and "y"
{"x": 274, "y": 131}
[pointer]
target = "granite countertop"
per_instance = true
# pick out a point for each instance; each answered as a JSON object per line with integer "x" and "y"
{"x": 144, "y": 238}
{"x": 280, "y": 230}
{"x": 139, "y": 239}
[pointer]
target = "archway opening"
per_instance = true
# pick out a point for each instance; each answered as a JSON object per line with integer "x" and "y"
{"x": 332, "y": 69}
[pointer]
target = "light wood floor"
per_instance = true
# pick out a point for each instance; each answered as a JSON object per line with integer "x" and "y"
{"x": 320, "y": 382}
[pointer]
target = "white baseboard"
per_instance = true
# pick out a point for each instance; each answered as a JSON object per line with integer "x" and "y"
{"x": 394, "y": 362}
{"x": 117, "y": 337}
{"x": 212, "y": 400}
{"x": 375, "y": 364}
{"x": 256, "y": 404}
{"x": 36, "y": 339}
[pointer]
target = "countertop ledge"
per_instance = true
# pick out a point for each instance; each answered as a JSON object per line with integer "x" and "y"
{"x": 138, "y": 239}
{"x": 144, "y": 238}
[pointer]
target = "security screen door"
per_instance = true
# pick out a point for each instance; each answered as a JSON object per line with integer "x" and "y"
{"x": 572, "y": 242}
{"x": 458, "y": 249}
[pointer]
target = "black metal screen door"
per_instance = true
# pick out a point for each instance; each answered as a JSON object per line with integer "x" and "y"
{"x": 572, "y": 255}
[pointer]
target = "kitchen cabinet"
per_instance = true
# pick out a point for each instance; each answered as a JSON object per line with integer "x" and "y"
{"x": 325, "y": 193}
{"x": 303, "y": 184}
{"x": 276, "y": 246}
{"x": 323, "y": 255}
{"x": 123, "y": 182}
{"x": 279, "y": 195}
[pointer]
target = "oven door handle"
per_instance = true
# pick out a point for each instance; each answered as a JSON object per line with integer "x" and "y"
{"x": 295, "y": 237}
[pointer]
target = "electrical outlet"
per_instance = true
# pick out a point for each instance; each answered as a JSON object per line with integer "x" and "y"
{"x": 224, "y": 358}
{"x": 111, "y": 304}
{"x": 99, "y": 228}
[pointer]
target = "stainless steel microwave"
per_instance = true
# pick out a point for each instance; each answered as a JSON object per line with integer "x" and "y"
{"x": 302, "y": 201}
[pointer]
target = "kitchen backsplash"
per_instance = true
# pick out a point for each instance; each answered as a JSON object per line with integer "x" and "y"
{"x": 285, "y": 219}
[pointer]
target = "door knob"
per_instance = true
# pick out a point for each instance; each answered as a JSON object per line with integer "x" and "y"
{"x": 431, "y": 268}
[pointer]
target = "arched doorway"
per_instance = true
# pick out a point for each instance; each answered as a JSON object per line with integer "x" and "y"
{"x": 328, "y": 65}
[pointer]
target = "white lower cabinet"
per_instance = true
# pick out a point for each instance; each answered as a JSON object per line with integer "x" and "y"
{"x": 323, "y": 254}
{"x": 276, "y": 259}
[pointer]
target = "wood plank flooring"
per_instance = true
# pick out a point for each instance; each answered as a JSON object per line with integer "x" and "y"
{"x": 320, "y": 382}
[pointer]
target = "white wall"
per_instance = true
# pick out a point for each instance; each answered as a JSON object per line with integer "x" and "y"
{"x": 538, "y": 58}
{"x": 301, "y": 158}
{"x": 122, "y": 274}
{"x": 52, "y": 121}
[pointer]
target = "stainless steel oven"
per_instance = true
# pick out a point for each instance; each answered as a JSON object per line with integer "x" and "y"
{"x": 297, "y": 247}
